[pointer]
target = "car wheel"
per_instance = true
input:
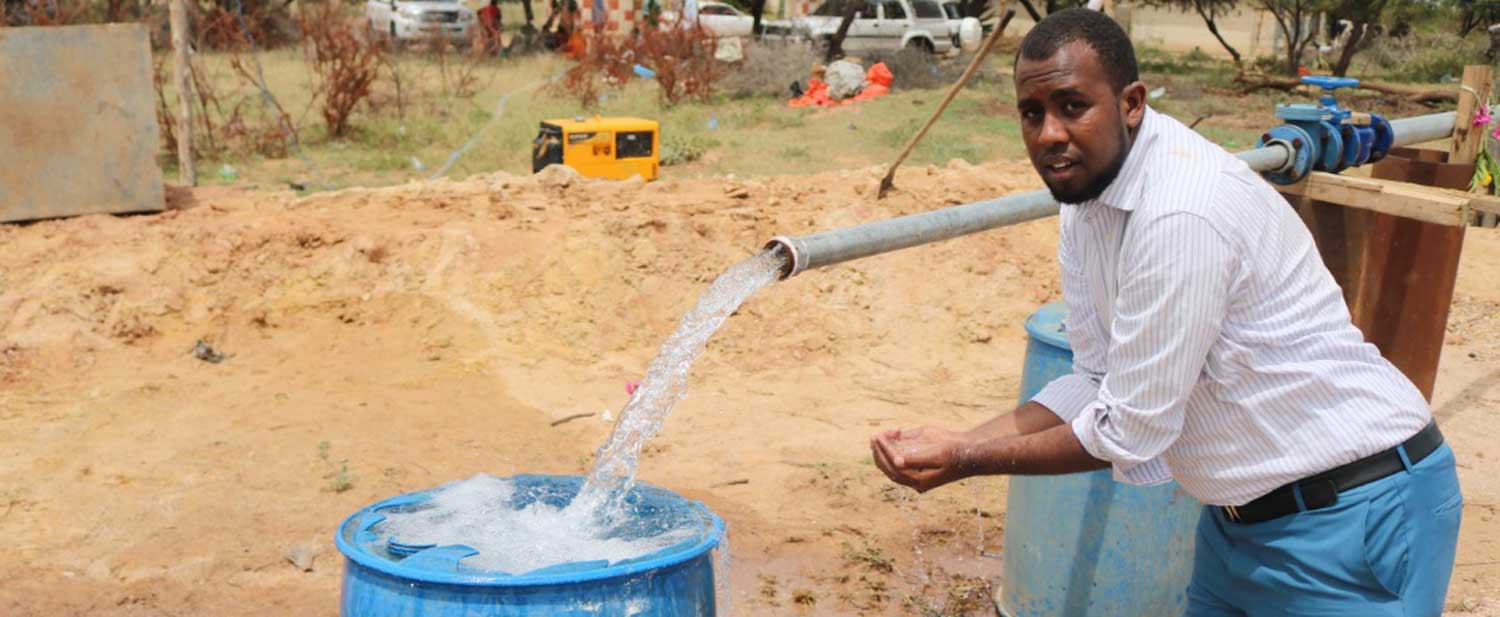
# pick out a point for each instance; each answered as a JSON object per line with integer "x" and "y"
{"x": 922, "y": 45}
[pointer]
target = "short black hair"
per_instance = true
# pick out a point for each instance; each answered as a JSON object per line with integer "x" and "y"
{"x": 1095, "y": 29}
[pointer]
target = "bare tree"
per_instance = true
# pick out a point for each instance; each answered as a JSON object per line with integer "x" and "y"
{"x": 757, "y": 11}
{"x": 1361, "y": 15}
{"x": 1473, "y": 14}
{"x": 1292, "y": 18}
{"x": 850, "y": 10}
{"x": 1210, "y": 11}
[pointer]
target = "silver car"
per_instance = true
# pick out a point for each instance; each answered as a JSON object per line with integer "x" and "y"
{"x": 883, "y": 25}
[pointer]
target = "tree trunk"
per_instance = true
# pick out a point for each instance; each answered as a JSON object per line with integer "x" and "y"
{"x": 757, "y": 11}
{"x": 181, "y": 69}
{"x": 1213, "y": 27}
{"x": 114, "y": 11}
{"x": 836, "y": 44}
{"x": 1350, "y": 47}
{"x": 530, "y": 17}
{"x": 1467, "y": 22}
{"x": 1031, "y": 10}
{"x": 1293, "y": 58}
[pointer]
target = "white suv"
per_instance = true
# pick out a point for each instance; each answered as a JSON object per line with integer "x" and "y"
{"x": 883, "y": 25}
{"x": 416, "y": 20}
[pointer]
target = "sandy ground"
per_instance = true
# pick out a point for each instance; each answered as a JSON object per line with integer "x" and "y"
{"x": 383, "y": 341}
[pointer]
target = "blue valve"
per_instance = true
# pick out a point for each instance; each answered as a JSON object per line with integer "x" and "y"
{"x": 1329, "y": 86}
{"x": 1325, "y": 136}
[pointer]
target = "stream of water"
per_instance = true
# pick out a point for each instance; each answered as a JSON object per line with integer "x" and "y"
{"x": 477, "y": 512}
{"x": 665, "y": 383}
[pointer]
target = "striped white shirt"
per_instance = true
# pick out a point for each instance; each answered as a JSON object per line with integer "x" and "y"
{"x": 1210, "y": 343}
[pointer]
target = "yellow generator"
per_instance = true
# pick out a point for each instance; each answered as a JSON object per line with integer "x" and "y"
{"x": 616, "y": 148}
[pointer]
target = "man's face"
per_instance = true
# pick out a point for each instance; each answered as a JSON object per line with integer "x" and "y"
{"x": 1077, "y": 129}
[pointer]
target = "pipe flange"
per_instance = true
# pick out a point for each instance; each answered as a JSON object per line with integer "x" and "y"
{"x": 1299, "y": 148}
{"x": 796, "y": 255}
{"x": 1349, "y": 134}
{"x": 1385, "y": 138}
{"x": 1330, "y": 155}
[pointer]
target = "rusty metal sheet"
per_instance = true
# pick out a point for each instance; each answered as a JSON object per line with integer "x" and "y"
{"x": 78, "y": 132}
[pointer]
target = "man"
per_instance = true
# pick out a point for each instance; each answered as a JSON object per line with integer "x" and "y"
{"x": 1211, "y": 346}
{"x": 489, "y": 25}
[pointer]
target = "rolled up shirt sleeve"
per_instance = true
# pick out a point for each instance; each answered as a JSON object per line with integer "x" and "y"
{"x": 1175, "y": 279}
{"x": 1068, "y": 396}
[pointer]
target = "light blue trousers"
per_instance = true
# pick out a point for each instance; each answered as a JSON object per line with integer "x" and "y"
{"x": 1384, "y": 550}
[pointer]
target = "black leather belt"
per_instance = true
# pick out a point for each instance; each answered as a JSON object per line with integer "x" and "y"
{"x": 1322, "y": 490}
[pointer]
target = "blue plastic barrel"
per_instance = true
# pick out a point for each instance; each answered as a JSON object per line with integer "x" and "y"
{"x": 1082, "y": 545}
{"x": 386, "y": 579}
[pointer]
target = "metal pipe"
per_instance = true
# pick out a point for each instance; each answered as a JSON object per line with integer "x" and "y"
{"x": 1422, "y": 129}
{"x": 839, "y": 245}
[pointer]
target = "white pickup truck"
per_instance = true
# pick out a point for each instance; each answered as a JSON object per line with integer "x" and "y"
{"x": 885, "y": 25}
{"x": 418, "y": 20}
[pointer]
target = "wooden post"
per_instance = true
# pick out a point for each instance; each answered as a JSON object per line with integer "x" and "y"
{"x": 1467, "y": 138}
{"x": 182, "y": 74}
{"x": 1410, "y": 267}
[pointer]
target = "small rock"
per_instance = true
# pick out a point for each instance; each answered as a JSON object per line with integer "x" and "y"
{"x": 737, "y": 192}
{"x": 206, "y": 353}
{"x": 845, "y": 79}
{"x": 302, "y": 556}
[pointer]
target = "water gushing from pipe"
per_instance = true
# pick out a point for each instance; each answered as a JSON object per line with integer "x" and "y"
{"x": 665, "y": 383}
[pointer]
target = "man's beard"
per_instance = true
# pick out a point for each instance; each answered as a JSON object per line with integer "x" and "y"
{"x": 1100, "y": 184}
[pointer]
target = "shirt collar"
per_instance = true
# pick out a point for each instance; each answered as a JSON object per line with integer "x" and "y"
{"x": 1121, "y": 192}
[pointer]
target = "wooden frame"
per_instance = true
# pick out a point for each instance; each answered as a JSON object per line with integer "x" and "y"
{"x": 1414, "y": 201}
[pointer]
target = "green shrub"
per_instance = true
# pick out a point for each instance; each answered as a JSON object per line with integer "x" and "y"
{"x": 680, "y": 150}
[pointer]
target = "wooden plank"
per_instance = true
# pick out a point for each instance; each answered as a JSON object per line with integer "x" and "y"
{"x": 1414, "y": 201}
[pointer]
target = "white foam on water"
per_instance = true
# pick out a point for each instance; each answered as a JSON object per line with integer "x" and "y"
{"x": 478, "y": 513}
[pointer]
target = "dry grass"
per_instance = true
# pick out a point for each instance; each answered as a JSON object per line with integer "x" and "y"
{"x": 415, "y": 118}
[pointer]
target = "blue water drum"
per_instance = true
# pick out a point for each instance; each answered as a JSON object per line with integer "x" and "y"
{"x": 1082, "y": 545}
{"x": 383, "y": 578}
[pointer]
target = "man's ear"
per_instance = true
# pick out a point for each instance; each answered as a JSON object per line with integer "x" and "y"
{"x": 1133, "y": 104}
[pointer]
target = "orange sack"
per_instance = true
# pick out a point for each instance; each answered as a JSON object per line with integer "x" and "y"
{"x": 878, "y": 80}
{"x": 816, "y": 95}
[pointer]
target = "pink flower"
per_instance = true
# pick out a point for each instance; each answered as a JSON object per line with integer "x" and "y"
{"x": 1482, "y": 115}
{"x": 1495, "y": 134}
{"x": 632, "y": 386}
